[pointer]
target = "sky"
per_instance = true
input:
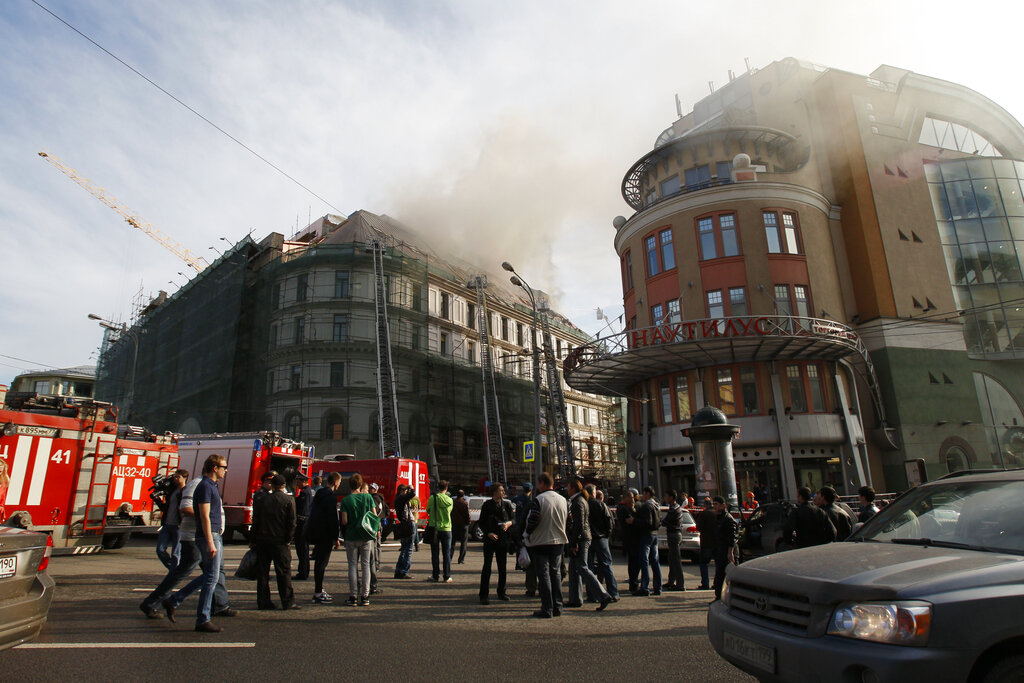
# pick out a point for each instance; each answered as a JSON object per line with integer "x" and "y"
{"x": 503, "y": 127}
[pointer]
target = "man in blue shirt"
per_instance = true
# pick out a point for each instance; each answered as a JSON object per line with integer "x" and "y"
{"x": 209, "y": 525}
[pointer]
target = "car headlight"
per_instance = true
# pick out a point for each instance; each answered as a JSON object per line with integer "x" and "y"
{"x": 725, "y": 592}
{"x": 897, "y": 623}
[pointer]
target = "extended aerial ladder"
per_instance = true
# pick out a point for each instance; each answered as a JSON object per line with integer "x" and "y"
{"x": 387, "y": 394}
{"x": 492, "y": 420}
{"x": 198, "y": 263}
{"x": 563, "y": 438}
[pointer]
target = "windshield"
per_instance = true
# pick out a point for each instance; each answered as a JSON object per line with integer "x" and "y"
{"x": 976, "y": 515}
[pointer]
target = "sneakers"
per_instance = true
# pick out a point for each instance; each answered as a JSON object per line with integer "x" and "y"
{"x": 448, "y": 580}
{"x": 150, "y": 612}
{"x": 364, "y": 602}
{"x": 351, "y": 601}
{"x": 322, "y": 598}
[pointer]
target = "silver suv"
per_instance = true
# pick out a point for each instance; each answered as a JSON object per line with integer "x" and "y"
{"x": 931, "y": 588}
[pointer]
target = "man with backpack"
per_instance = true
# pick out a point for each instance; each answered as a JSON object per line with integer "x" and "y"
{"x": 645, "y": 524}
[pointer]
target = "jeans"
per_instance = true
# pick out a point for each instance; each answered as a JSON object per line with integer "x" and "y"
{"x": 675, "y": 558}
{"x": 649, "y": 563}
{"x": 359, "y": 553}
{"x": 187, "y": 561}
{"x": 442, "y": 543}
{"x": 499, "y": 551}
{"x": 404, "y": 563}
{"x": 168, "y": 546}
{"x": 602, "y": 563}
{"x": 190, "y": 559}
{"x": 548, "y": 561}
{"x": 579, "y": 573}
{"x": 721, "y": 564}
{"x": 213, "y": 576}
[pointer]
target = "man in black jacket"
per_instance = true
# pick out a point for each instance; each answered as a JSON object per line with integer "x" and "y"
{"x": 706, "y": 527}
{"x": 624, "y": 512}
{"x": 841, "y": 520}
{"x": 578, "y": 532}
{"x": 808, "y": 524}
{"x": 406, "y": 523}
{"x": 646, "y": 523}
{"x": 496, "y": 519}
{"x": 600, "y": 560}
{"x": 323, "y": 529}
{"x": 303, "y": 506}
{"x": 273, "y": 525}
{"x": 727, "y": 532}
{"x": 674, "y": 536}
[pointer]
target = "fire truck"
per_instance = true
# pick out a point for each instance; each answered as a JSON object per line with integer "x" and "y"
{"x": 76, "y": 475}
{"x": 387, "y": 473}
{"x": 250, "y": 456}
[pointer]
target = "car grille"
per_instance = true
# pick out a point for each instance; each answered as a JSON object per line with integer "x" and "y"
{"x": 792, "y": 610}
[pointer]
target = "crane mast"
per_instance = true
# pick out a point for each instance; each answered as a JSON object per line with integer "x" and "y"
{"x": 198, "y": 263}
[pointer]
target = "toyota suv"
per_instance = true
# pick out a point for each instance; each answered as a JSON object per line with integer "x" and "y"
{"x": 931, "y": 588}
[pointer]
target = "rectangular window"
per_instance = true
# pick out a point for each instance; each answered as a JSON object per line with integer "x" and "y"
{"x": 730, "y": 243}
{"x": 446, "y": 306}
{"x": 299, "y": 335}
{"x": 275, "y": 297}
{"x": 341, "y": 284}
{"x": 520, "y": 335}
{"x": 716, "y": 309}
{"x": 504, "y": 328}
{"x": 270, "y": 382}
{"x": 417, "y": 297}
{"x": 657, "y": 314}
{"x": 748, "y": 390}
{"x": 472, "y": 315}
{"x": 802, "y": 299}
{"x": 338, "y": 374}
{"x": 789, "y": 229}
{"x": 668, "y": 255}
{"x": 724, "y": 169}
{"x": 652, "y": 196}
{"x": 706, "y": 234}
{"x": 726, "y": 392}
{"x": 814, "y": 379}
{"x": 771, "y": 232}
{"x": 665, "y": 395}
{"x": 738, "y": 301}
{"x": 273, "y": 336}
{"x": 670, "y": 186}
{"x": 675, "y": 314}
{"x": 444, "y": 344}
{"x": 301, "y": 287}
{"x": 627, "y": 271}
{"x": 651, "y": 247}
{"x": 558, "y": 349}
{"x": 698, "y": 177}
{"x": 340, "y": 328}
{"x": 471, "y": 352}
{"x": 682, "y": 398}
{"x": 783, "y": 305}
{"x": 295, "y": 378}
{"x": 797, "y": 398}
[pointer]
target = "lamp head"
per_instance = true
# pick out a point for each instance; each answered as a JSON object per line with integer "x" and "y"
{"x": 508, "y": 266}
{"x": 93, "y": 316}
{"x": 516, "y": 281}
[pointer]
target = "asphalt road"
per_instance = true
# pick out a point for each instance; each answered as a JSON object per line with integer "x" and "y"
{"x": 415, "y": 631}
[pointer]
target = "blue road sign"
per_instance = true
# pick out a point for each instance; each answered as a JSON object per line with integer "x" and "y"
{"x": 528, "y": 451}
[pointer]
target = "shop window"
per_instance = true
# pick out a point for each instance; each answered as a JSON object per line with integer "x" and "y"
{"x": 726, "y": 391}
{"x": 718, "y": 236}
{"x": 781, "y": 230}
{"x": 665, "y": 397}
{"x": 682, "y": 398}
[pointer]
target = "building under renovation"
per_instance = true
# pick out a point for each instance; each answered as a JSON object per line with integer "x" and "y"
{"x": 355, "y": 330}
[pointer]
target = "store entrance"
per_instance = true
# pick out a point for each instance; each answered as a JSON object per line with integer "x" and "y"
{"x": 817, "y": 472}
{"x": 763, "y": 478}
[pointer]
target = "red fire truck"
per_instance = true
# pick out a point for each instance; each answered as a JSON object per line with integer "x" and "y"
{"x": 250, "y": 456}
{"x": 74, "y": 474}
{"x": 387, "y": 473}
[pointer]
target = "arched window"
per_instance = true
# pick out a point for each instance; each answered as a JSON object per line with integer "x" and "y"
{"x": 334, "y": 425}
{"x": 293, "y": 425}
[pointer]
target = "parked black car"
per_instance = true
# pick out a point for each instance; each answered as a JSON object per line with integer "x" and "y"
{"x": 762, "y": 532}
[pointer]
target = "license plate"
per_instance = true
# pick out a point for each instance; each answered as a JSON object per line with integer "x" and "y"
{"x": 761, "y": 656}
{"x": 8, "y": 566}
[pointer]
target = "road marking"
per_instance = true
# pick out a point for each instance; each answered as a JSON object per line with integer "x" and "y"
{"x": 118, "y": 646}
{"x": 150, "y": 590}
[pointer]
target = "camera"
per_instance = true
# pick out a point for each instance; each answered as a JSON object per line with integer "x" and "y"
{"x": 162, "y": 487}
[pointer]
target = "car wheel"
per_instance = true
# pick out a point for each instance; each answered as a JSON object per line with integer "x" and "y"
{"x": 476, "y": 533}
{"x": 1006, "y": 670}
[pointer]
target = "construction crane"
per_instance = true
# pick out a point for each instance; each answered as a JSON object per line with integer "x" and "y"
{"x": 198, "y": 263}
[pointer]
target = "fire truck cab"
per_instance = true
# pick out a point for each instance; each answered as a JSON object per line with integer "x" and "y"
{"x": 387, "y": 473}
{"x": 73, "y": 474}
{"x": 250, "y": 456}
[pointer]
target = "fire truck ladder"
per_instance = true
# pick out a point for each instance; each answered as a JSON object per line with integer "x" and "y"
{"x": 99, "y": 490}
{"x": 563, "y": 439}
{"x": 387, "y": 395}
{"x": 492, "y": 421}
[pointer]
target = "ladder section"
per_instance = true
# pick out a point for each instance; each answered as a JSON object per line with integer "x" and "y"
{"x": 492, "y": 421}
{"x": 563, "y": 439}
{"x": 99, "y": 491}
{"x": 387, "y": 396}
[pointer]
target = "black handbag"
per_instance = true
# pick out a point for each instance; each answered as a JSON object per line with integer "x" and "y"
{"x": 428, "y": 535}
{"x": 247, "y": 567}
{"x": 403, "y": 529}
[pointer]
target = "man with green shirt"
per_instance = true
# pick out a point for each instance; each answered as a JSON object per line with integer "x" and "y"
{"x": 439, "y": 510}
{"x": 361, "y": 530}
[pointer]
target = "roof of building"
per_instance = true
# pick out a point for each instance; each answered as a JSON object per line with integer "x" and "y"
{"x": 82, "y": 371}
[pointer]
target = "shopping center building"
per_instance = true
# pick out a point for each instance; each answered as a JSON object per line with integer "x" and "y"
{"x": 835, "y": 261}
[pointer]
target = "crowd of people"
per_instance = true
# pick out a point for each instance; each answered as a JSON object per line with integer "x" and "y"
{"x": 553, "y": 536}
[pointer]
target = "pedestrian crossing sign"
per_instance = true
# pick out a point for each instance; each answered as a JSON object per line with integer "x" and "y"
{"x": 528, "y": 451}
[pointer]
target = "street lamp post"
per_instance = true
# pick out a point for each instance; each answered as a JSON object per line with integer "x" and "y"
{"x": 518, "y": 281}
{"x": 123, "y": 330}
